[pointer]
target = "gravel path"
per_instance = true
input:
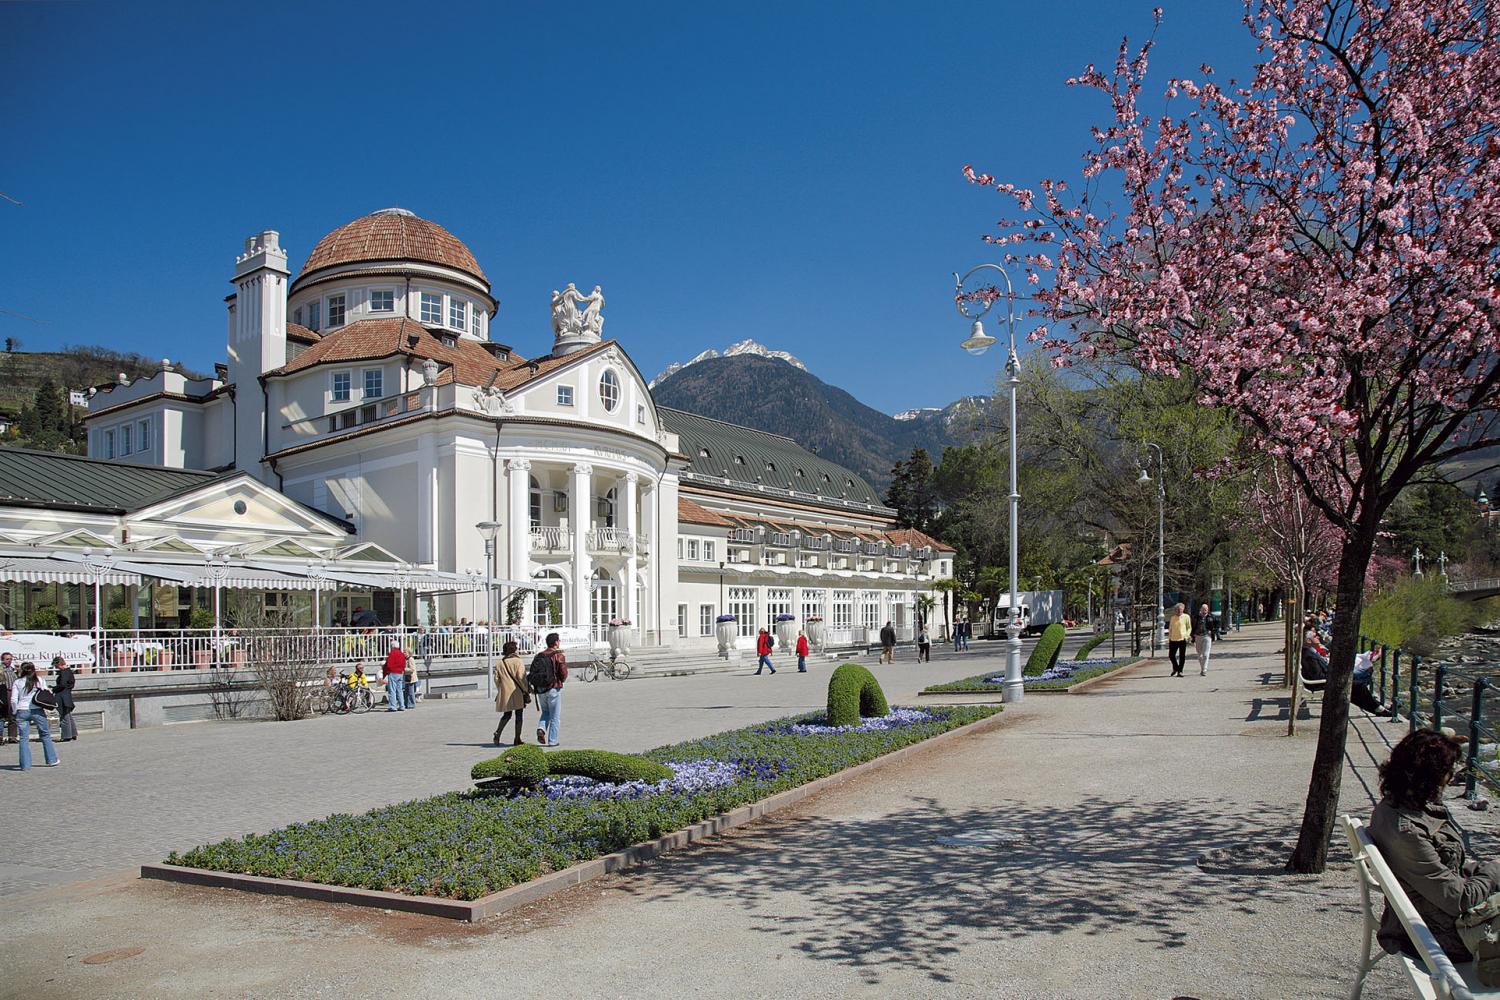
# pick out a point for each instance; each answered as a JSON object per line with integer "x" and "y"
{"x": 1056, "y": 856}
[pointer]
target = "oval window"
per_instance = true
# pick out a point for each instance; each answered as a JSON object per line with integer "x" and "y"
{"x": 609, "y": 390}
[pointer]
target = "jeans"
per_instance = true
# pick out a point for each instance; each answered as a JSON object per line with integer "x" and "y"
{"x": 549, "y": 702}
{"x": 801, "y": 664}
{"x": 25, "y": 720}
{"x": 393, "y": 693}
{"x": 409, "y": 692}
{"x": 1205, "y": 647}
{"x": 924, "y": 652}
{"x": 765, "y": 661}
{"x": 1177, "y": 655}
{"x": 67, "y": 728}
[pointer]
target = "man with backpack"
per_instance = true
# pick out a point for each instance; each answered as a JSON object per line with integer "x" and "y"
{"x": 763, "y": 646}
{"x": 546, "y": 676}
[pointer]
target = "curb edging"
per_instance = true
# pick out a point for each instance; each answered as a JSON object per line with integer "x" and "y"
{"x": 515, "y": 896}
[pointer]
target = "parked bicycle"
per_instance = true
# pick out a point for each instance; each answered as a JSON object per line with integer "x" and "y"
{"x": 616, "y": 669}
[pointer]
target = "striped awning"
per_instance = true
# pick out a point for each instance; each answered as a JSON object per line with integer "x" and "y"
{"x": 27, "y": 569}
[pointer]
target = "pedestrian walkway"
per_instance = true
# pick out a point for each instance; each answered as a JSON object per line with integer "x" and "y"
{"x": 1056, "y": 856}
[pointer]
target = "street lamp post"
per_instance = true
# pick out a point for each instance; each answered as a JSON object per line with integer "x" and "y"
{"x": 977, "y": 343}
{"x": 490, "y": 530}
{"x": 1161, "y": 540}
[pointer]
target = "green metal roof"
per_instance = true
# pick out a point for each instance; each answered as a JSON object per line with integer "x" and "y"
{"x": 754, "y": 461}
{"x": 47, "y": 479}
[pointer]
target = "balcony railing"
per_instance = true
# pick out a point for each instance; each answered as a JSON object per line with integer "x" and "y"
{"x": 551, "y": 538}
{"x": 743, "y": 535}
{"x": 610, "y": 540}
{"x": 844, "y": 545}
{"x": 873, "y": 548}
{"x": 814, "y": 543}
{"x": 783, "y": 539}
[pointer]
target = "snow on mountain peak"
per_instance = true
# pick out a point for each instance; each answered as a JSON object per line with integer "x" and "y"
{"x": 743, "y": 347}
{"x": 914, "y": 414}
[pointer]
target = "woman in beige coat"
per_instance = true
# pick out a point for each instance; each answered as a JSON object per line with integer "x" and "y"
{"x": 512, "y": 693}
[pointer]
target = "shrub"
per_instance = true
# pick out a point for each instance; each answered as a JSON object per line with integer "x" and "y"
{"x": 853, "y": 692}
{"x": 602, "y": 765}
{"x": 119, "y": 620}
{"x": 43, "y": 618}
{"x": 1091, "y": 645}
{"x": 1416, "y": 613}
{"x": 201, "y": 618}
{"x": 1044, "y": 654}
{"x": 524, "y": 765}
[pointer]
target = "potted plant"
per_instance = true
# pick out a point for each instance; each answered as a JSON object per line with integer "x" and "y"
{"x": 619, "y": 637}
{"x": 815, "y": 632}
{"x": 725, "y": 626}
{"x": 201, "y": 620}
{"x": 786, "y": 631}
{"x": 121, "y": 620}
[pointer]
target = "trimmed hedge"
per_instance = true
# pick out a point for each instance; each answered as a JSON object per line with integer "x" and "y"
{"x": 982, "y": 684}
{"x": 854, "y": 693}
{"x": 528, "y": 765}
{"x": 1091, "y": 645}
{"x": 1044, "y": 655}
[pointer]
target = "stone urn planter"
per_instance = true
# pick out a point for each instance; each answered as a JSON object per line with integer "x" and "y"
{"x": 621, "y": 638}
{"x": 725, "y": 629}
{"x": 816, "y": 635}
{"x": 786, "y": 635}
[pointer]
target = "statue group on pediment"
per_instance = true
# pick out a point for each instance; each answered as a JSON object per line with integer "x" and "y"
{"x": 576, "y": 314}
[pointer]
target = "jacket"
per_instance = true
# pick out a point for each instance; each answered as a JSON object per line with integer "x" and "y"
{"x": 763, "y": 644}
{"x": 887, "y": 636}
{"x": 64, "y": 689}
{"x": 1179, "y": 628}
{"x": 1426, "y": 854}
{"x": 511, "y": 688}
{"x": 395, "y": 663}
{"x": 801, "y": 645}
{"x": 1205, "y": 624}
{"x": 559, "y": 670}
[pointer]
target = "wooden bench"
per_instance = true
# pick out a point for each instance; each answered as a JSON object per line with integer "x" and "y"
{"x": 1434, "y": 975}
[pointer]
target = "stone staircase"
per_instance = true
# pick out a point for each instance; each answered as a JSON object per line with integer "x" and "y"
{"x": 667, "y": 661}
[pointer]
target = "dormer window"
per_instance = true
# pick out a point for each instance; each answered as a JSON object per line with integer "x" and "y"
{"x": 458, "y": 314}
{"x": 432, "y": 309}
{"x": 335, "y": 310}
{"x": 382, "y": 300}
{"x": 315, "y": 316}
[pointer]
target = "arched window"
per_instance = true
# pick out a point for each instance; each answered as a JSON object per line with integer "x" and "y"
{"x": 547, "y": 581}
{"x": 536, "y": 503}
{"x": 607, "y": 508}
{"x": 609, "y": 390}
{"x": 604, "y": 599}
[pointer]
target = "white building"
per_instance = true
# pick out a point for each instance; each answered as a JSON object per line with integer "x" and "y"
{"x": 372, "y": 387}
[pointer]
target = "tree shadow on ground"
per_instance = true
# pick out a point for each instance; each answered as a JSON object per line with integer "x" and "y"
{"x": 912, "y": 889}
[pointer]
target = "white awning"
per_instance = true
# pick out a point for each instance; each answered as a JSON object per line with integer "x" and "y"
{"x": 233, "y": 577}
{"x": 24, "y": 569}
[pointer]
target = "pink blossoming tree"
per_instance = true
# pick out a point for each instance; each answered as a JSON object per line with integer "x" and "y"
{"x": 1317, "y": 247}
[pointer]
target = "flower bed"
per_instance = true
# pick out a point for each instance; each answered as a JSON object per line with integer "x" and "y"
{"x": 464, "y": 845}
{"x": 1063, "y": 675}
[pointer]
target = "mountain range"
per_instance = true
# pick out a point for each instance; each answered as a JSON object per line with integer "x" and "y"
{"x": 774, "y": 392}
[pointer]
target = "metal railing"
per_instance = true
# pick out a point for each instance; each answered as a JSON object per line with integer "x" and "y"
{"x": 783, "y": 539}
{"x": 743, "y": 535}
{"x": 814, "y": 543}
{"x": 844, "y": 545}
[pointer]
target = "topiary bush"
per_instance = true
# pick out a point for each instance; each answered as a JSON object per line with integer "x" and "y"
{"x": 853, "y": 692}
{"x": 523, "y": 765}
{"x": 1044, "y": 654}
{"x": 1089, "y": 647}
{"x": 602, "y": 765}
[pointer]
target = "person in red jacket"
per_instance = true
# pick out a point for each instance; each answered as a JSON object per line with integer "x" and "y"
{"x": 763, "y": 647}
{"x": 801, "y": 653}
{"x": 395, "y": 679}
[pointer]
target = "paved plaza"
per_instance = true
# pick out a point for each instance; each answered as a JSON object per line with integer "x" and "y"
{"x": 1055, "y": 856}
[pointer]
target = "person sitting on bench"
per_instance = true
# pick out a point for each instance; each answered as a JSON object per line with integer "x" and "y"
{"x": 1416, "y": 836}
{"x": 1362, "y": 693}
{"x": 1314, "y": 663}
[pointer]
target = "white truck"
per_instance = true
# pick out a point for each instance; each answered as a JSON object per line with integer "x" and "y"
{"x": 1036, "y": 609}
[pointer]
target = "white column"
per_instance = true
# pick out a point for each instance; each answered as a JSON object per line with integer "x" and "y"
{"x": 651, "y": 525}
{"x": 580, "y": 511}
{"x": 631, "y": 525}
{"x": 518, "y": 520}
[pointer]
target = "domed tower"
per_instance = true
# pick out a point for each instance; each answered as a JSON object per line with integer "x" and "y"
{"x": 391, "y": 264}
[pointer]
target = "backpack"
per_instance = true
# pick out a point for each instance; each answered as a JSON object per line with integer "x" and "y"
{"x": 540, "y": 676}
{"x": 770, "y": 640}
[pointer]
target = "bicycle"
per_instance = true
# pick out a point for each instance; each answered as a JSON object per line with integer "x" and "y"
{"x": 614, "y": 669}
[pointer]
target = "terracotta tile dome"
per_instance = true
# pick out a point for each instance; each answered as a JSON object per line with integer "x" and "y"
{"x": 392, "y": 234}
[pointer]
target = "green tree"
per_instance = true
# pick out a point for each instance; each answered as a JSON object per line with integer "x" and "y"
{"x": 913, "y": 491}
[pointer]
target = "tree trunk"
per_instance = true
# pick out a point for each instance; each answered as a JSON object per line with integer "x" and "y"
{"x": 1311, "y": 853}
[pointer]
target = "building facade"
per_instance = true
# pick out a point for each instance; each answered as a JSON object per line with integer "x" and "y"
{"x": 372, "y": 387}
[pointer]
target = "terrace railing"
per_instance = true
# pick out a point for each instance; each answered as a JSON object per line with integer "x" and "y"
{"x": 551, "y": 538}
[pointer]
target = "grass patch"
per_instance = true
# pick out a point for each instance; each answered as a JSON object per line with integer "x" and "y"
{"x": 992, "y": 682}
{"x": 464, "y": 845}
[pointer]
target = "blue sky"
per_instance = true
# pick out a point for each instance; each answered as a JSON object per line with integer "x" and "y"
{"x": 790, "y": 174}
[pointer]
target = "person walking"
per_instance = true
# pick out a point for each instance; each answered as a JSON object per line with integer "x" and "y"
{"x": 546, "y": 676}
{"x": 888, "y": 644}
{"x": 968, "y": 633}
{"x": 1205, "y": 631}
{"x": 7, "y": 710}
{"x": 801, "y": 653}
{"x": 512, "y": 693}
{"x": 1179, "y": 630}
{"x": 924, "y": 646}
{"x": 409, "y": 683}
{"x": 28, "y": 701}
{"x": 958, "y": 634}
{"x": 395, "y": 679}
{"x": 67, "y": 729}
{"x": 763, "y": 646}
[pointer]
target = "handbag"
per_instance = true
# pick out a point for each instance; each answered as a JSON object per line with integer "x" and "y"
{"x": 44, "y": 699}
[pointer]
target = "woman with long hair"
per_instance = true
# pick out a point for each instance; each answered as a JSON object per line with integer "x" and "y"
{"x": 1417, "y": 838}
{"x": 23, "y": 698}
{"x": 512, "y": 693}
